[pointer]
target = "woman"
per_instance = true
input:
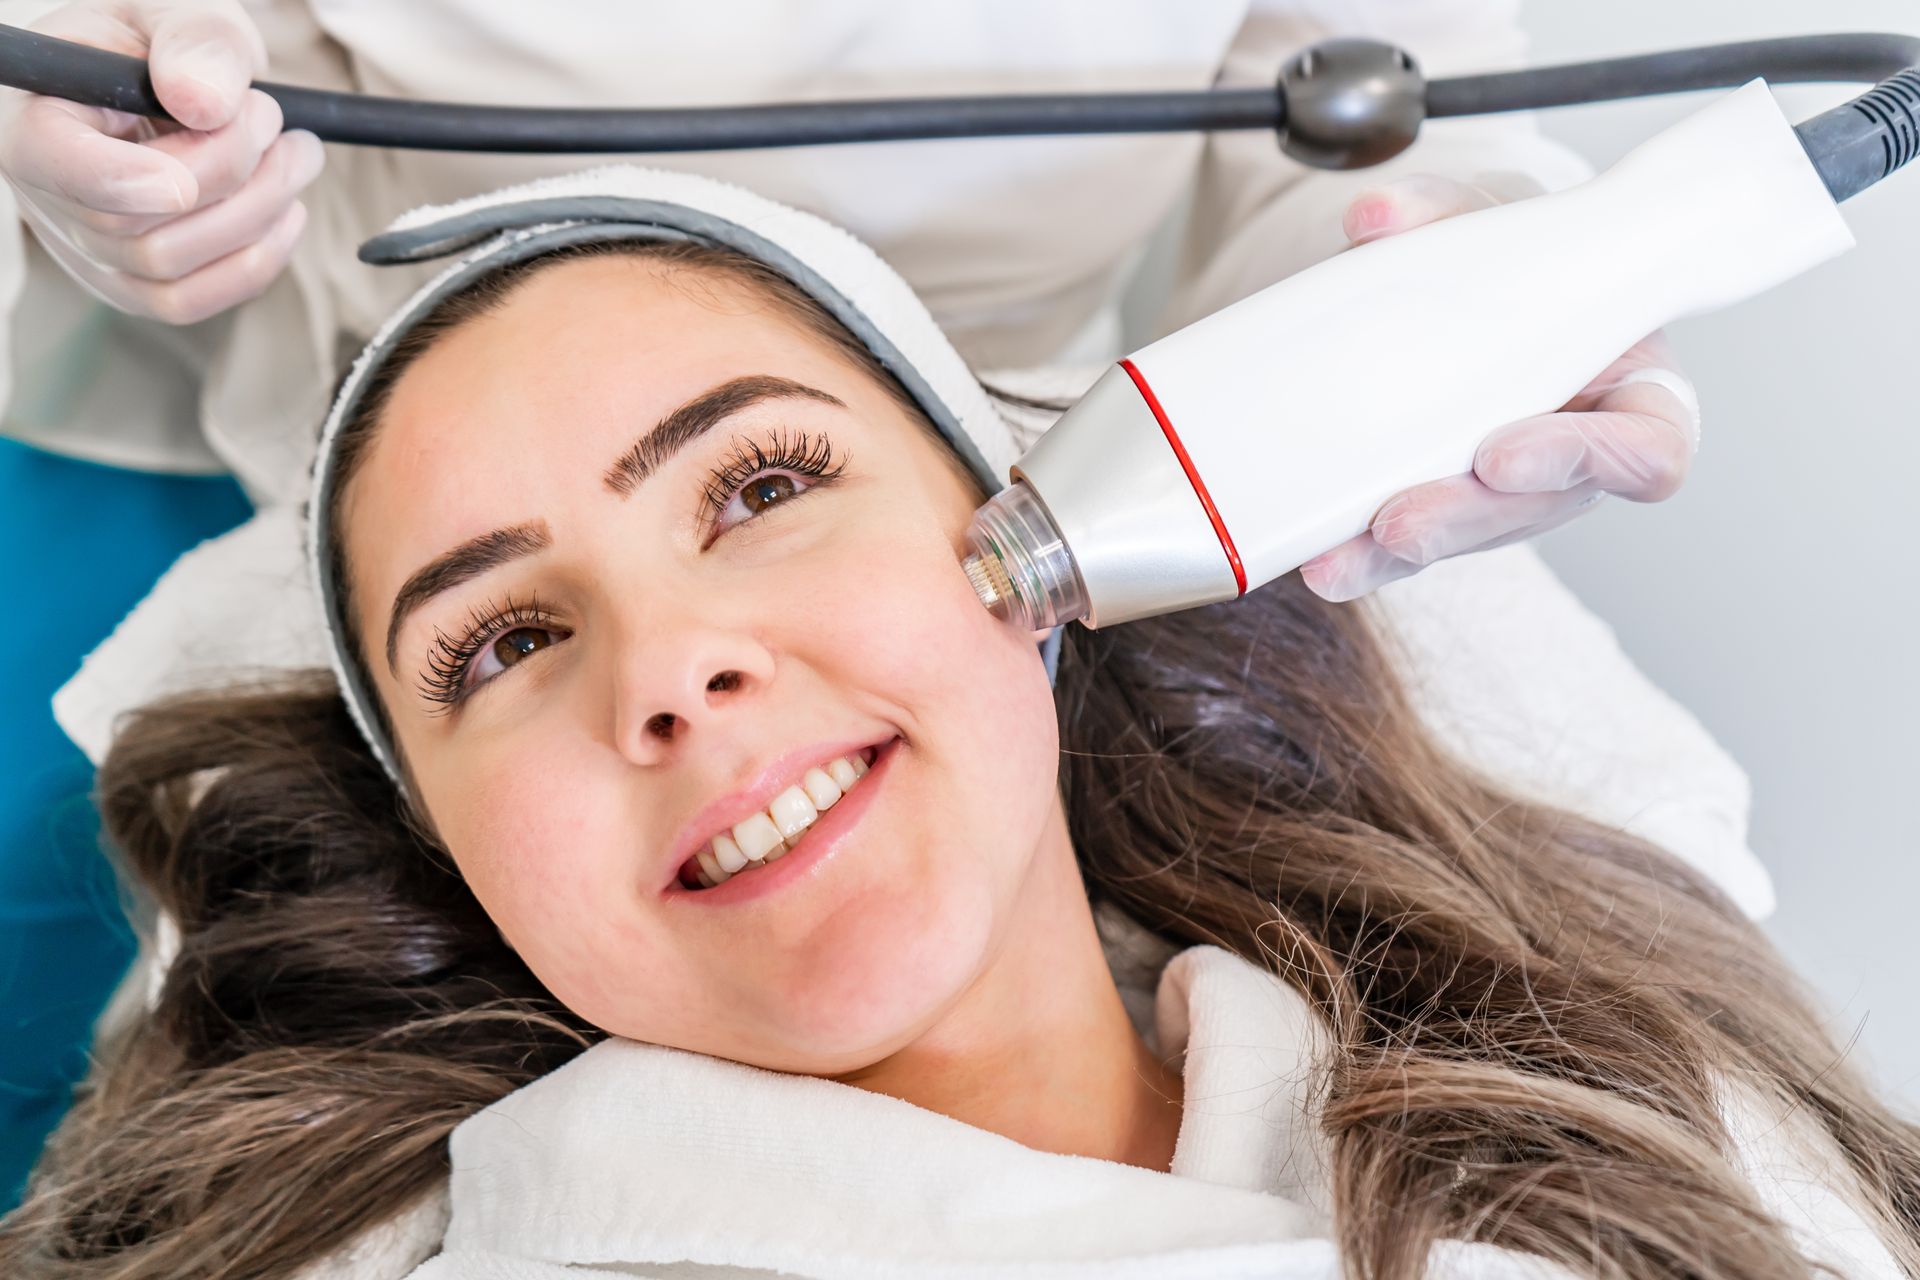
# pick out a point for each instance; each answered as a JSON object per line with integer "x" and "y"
{"x": 665, "y": 723}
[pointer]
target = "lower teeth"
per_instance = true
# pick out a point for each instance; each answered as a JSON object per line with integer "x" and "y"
{"x": 772, "y": 855}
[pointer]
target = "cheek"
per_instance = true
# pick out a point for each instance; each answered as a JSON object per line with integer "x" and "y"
{"x": 535, "y": 838}
{"x": 510, "y": 835}
{"x": 907, "y": 628}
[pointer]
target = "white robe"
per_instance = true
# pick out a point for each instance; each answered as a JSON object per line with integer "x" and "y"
{"x": 637, "y": 1160}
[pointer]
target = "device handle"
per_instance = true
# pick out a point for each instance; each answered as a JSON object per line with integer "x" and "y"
{"x": 1306, "y": 406}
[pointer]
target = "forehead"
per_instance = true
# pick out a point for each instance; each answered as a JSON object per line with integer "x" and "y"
{"x": 520, "y": 411}
{"x": 573, "y": 330}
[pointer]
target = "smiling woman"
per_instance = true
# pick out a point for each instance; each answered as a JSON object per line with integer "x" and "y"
{"x": 675, "y": 741}
{"x": 603, "y": 654}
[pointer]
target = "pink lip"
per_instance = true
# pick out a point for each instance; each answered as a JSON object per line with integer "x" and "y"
{"x": 774, "y": 777}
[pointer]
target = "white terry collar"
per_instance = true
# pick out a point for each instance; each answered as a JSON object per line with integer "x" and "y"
{"x": 638, "y": 1154}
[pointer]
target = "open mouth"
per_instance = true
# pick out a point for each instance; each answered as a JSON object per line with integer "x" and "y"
{"x": 765, "y": 837}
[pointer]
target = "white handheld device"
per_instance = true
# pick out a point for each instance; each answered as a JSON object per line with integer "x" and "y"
{"x": 1236, "y": 449}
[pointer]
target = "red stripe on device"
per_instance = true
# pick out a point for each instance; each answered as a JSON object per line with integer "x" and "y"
{"x": 1193, "y": 477}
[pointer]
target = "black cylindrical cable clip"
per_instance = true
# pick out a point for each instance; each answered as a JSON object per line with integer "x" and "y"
{"x": 1350, "y": 103}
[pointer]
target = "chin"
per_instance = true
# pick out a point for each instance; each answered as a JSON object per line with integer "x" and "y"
{"x": 875, "y": 976}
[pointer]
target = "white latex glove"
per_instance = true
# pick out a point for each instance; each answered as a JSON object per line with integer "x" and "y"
{"x": 1632, "y": 431}
{"x": 168, "y": 222}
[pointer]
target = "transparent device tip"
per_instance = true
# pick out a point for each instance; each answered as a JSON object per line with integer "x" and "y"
{"x": 1019, "y": 564}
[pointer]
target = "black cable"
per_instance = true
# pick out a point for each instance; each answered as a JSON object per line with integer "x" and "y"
{"x": 445, "y": 126}
{"x": 97, "y": 78}
{"x": 1854, "y": 145}
{"x": 1787, "y": 60}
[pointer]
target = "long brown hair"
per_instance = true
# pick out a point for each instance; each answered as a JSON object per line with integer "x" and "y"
{"x": 1533, "y": 1018}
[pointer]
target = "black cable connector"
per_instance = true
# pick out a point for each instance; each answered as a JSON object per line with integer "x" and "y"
{"x": 1857, "y": 144}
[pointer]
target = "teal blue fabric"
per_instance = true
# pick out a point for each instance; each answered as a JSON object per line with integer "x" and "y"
{"x": 80, "y": 544}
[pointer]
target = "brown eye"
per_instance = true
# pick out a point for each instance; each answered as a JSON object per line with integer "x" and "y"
{"x": 520, "y": 642}
{"x": 762, "y": 492}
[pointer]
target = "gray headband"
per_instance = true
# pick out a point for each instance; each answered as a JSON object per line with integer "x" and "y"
{"x": 622, "y": 203}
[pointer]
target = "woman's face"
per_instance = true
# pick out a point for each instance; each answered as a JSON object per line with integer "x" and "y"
{"x": 656, "y": 618}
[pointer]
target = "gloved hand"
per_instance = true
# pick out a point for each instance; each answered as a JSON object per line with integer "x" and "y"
{"x": 1632, "y": 431}
{"x": 172, "y": 223}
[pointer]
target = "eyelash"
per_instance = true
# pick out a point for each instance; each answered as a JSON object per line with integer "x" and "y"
{"x": 811, "y": 456}
{"x": 445, "y": 680}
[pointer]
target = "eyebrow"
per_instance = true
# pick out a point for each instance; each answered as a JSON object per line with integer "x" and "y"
{"x": 696, "y": 417}
{"x": 646, "y": 455}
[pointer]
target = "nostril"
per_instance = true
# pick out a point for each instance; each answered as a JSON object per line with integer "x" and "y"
{"x": 661, "y": 725}
{"x": 725, "y": 682}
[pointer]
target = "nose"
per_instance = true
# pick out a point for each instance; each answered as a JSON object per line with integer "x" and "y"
{"x": 671, "y": 687}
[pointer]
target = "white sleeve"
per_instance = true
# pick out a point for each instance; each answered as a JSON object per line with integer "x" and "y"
{"x": 77, "y": 377}
{"x": 1259, "y": 215}
{"x": 13, "y": 279}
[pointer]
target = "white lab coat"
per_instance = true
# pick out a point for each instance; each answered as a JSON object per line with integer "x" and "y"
{"x": 638, "y": 1160}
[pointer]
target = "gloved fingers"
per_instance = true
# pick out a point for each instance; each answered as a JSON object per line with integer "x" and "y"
{"x": 1408, "y": 202}
{"x": 1553, "y": 521}
{"x": 1352, "y": 569}
{"x": 59, "y": 151}
{"x": 1362, "y": 564}
{"x": 68, "y": 150}
{"x": 239, "y": 276}
{"x": 1685, "y": 394}
{"x": 112, "y": 27}
{"x": 221, "y": 160}
{"x": 1505, "y": 186}
{"x": 1417, "y": 199}
{"x": 1443, "y": 518}
{"x": 202, "y": 55}
{"x": 1639, "y": 443}
{"x": 109, "y": 164}
{"x": 178, "y": 246}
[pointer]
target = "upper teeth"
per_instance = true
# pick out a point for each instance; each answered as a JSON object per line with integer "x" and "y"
{"x": 765, "y": 836}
